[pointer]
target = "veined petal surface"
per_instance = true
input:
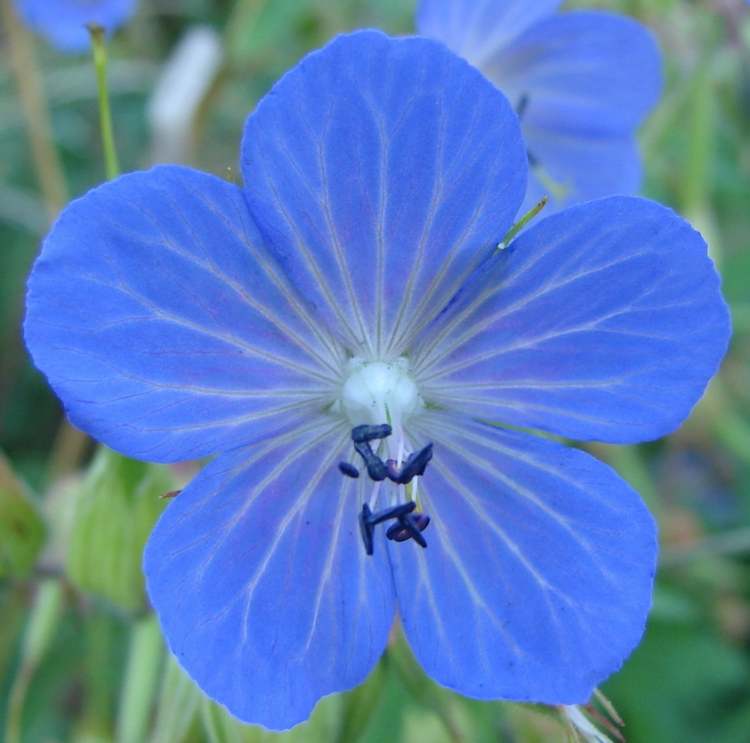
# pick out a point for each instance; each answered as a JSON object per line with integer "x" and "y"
{"x": 159, "y": 321}
{"x": 263, "y": 590}
{"x": 604, "y": 322}
{"x": 63, "y": 22}
{"x": 477, "y": 29}
{"x": 537, "y": 579}
{"x": 380, "y": 169}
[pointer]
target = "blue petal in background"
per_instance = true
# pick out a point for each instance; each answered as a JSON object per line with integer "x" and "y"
{"x": 582, "y": 82}
{"x": 476, "y": 29}
{"x": 568, "y": 167}
{"x": 63, "y": 22}
{"x": 589, "y": 79}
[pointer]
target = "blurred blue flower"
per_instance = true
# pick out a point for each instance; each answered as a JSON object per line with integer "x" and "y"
{"x": 581, "y": 82}
{"x": 63, "y": 22}
{"x": 350, "y": 305}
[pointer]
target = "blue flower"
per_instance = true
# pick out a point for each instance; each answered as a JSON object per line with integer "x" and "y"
{"x": 350, "y": 305}
{"x": 582, "y": 83}
{"x": 63, "y": 22}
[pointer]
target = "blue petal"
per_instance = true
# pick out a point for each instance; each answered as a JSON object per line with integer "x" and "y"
{"x": 264, "y": 592}
{"x": 587, "y": 72}
{"x": 605, "y": 321}
{"x": 537, "y": 577}
{"x": 380, "y": 168}
{"x": 158, "y": 320}
{"x": 573, "y": 168}
{"x": 63, "y": 22}
{"x": 477, "y": 29}
{"x": 588, "y": 80}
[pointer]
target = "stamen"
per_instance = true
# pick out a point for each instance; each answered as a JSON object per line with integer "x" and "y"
{"x": 394, "y": 512}
{"x": 348, "y": 469}
{"x": 415, "y": 465}
{"x": 361, "y": 437}
{"x": 376, "y": 469}
{"x": 366, "y": 528}
{"x": 365, "y": 434}
{"x": 409, "y": 527}
{"x": 393, "y": 469}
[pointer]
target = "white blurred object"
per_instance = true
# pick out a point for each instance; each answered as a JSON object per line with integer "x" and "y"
{"x": 185, "y": 79}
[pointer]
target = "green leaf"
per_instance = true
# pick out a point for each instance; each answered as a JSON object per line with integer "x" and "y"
{"x": 359, "y": 705}
{"x": 683, "y": 683}
{"x": 221, "y": 727}
{"x": 22, "y": 530}
{"x": 141, "y": 679}
{"x": 116, "y": 507}
{"x": 178, "y": 705}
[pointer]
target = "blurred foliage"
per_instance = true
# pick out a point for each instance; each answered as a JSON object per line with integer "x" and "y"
{"x": 81, "y": 658}
{"x": 114, "y": 509}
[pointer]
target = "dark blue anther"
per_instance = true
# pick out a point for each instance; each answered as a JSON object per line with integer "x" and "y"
{"x": 376, "y": 469}
{"x": 369, "y": 520}
{"x": 348, "y": 469}
{"x": 366, "y": 527}
{"x": 394, "y": 512}
{"x": 365, "y": 434}
{"x": 415, "y": 465}
{"x": 409, "y": 526}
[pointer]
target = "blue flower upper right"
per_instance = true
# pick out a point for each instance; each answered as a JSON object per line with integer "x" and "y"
{"x": 581, "y": 82}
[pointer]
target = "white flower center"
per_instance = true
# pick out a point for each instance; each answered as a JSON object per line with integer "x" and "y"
{"x": 379, "y": 392}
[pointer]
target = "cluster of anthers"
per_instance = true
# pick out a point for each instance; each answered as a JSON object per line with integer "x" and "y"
{"x": 409, "y": 525}
{"x": 374, "y": 391}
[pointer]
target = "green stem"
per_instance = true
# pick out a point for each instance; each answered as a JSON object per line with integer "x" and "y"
{"x": 518, "y": 226}
{"x": 99, "y": 53}
{"x": 47, "y": 164}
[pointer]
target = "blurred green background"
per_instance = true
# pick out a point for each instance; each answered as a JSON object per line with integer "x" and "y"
{"x": 81, "y": 659}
